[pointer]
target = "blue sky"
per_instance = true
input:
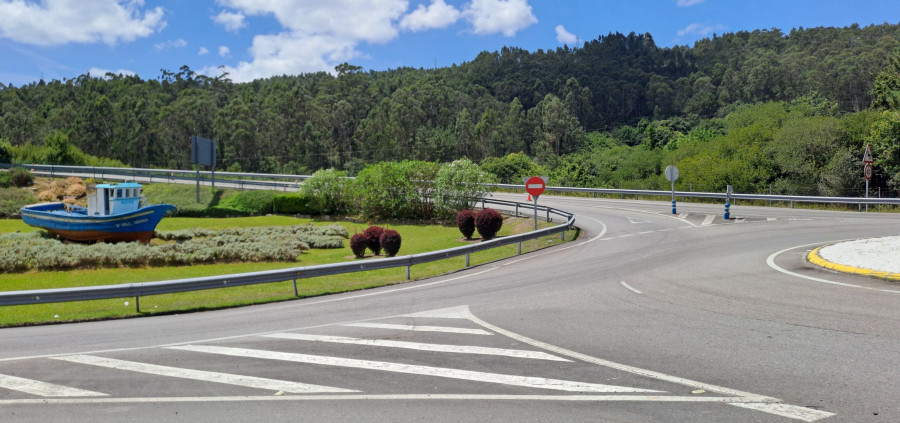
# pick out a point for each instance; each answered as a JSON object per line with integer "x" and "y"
{"x": 59, "y": 39}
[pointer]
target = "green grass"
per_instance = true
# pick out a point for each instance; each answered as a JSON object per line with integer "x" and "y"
{"x": 416, "y": 239}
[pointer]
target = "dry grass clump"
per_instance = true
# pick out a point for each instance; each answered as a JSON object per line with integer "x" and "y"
{"x": 73, "y": 180}
{"x": 75, "y": 190}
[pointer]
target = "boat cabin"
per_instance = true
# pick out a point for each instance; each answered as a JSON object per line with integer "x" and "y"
{"x": 111, "y": 199}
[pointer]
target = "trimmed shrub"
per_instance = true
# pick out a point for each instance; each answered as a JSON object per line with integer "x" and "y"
{"x": 297, "y": 203}
{"x": 465, "y": 221}
{"x": 488, "y": 222}
{"x": 21, "y": 177}
{"x": 252, "y": 202}
{"x": 390, "y": 241}
{"x": 12, "y": 199}
{"x": 358, "y": 244}
{"x": 373, "y": 238}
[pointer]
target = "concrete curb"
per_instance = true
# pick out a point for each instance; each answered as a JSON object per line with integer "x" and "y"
{"x": 814, "y": 258}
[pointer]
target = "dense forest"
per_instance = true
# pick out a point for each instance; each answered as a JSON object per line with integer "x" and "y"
{"x": 766, "y": 111}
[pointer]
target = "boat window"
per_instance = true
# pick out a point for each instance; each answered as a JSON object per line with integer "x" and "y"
{"x": 119, "y": 193}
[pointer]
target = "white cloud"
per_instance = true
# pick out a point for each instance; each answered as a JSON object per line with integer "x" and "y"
{"x": 565, "y": 37}
{"x": 288, "y": 54}
{"x": 56, "y": 22}
{"x": 689, "y": 3}
{"x": 500, "y": 16}
{"x": 437, "y": 15}
{"x": 231, "y": 21}
{"x": 224, "y": 51}
{"x": 203, "y": 51}
{"x": 699, "y": 29}
{"x": 179, "y": 43}
{"x": 101, "y": 73}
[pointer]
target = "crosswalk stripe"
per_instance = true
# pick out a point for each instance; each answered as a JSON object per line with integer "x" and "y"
{"x": 708, "y": 220}
{"x": 458, "y": 349}
{"x": 524, "y": 381}
{"x": 420, "y": 328}
{"x": 43, "y": 389}
{"x": 230, "y": 379}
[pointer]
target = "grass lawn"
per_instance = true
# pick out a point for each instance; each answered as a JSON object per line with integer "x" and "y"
{"x": 416, "y": 239}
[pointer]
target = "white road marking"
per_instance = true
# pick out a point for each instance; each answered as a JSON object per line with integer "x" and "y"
{"x": 43, "y": 389}
{"x": 628, "y": 287}
{"x": 635, "y": 221}
{"x": 785, "y": 410}
{"x": 230, "y": 379}
{"x": 771, "y": 219}
{"x": 622, "y": 367}
{"x": 513, "y": 380}
{"x": 456, "y": 349}
{"x": 418, "y": 328}
{"x": 708, "y": 220}
{"x": 771, "y": 262}
{"x": 460, "y": 312}
{"x": 683, "y": 215}
{"x": 398, "y": 397}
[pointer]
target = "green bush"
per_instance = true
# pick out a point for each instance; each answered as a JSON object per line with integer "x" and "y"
{"x": 329, "y": 192}
{"x": 459, "y": 185}
{"x": 397, "y": 190}
{"x": 296, "y": 203}
{"x": 12, "y": 199}
{"x": 251, "y": 202}
{"x": 5, "y": 179}
{"x": 21, "y": 177}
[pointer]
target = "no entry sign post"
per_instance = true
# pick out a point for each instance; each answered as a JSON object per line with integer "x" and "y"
{"x": 672, "y": 176}
{"x": 535, "y": 186}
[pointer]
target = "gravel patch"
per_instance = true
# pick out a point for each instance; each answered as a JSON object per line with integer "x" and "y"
{"x": 882, "y": 254}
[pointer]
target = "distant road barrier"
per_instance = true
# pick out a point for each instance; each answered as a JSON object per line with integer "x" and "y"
{"x": 293, "y": 182}
{"x": 137, "y": 290}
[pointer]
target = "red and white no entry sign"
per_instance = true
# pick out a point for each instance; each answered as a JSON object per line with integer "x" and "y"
{"x": 535, "y": 186}
{"x": 867, "y": 171}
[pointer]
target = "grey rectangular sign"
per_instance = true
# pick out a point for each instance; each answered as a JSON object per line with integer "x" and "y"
{"x": 203, "y": 151}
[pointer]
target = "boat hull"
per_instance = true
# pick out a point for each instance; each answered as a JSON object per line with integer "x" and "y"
{"x": 73, "y": 223}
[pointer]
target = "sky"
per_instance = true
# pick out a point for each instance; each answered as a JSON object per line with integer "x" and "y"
{"x": 251, "y": 39}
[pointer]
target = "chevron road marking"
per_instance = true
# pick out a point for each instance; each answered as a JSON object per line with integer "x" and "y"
{"x": 246, "y": 381}
{"x": 457, "y": 349}
{"x": 524, "y": 381}
{"x": 708, "y": 220}
{"x": 43, "y": 389}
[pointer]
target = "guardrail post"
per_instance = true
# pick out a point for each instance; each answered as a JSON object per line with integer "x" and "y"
{"x": 407, "y": 271}
{"x": 467, "y": 259}
{"x": 519, "y": 248}
{"x": 296, "y": 294}
{"x": 548, "y": 214}
{"x": 137, "y": 304}
{"x": 563, "y": 236}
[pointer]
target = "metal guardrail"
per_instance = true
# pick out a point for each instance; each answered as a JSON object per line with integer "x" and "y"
{"x": 719, "y": 195}
{"x": 292, "y": 182}
{"x": 138, "y": 290}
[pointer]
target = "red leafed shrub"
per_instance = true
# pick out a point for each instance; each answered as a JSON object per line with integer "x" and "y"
{"x": 359, "y": 243}
{"x": 373, "y": 238}
{"x": 488, "y": 222}
{"x": 390, "y": 241}
{"x": 465, "y": 221}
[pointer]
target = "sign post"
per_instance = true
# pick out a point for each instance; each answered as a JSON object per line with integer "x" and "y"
{"x": 728, "y": 192}
{"x": 203, "y": 152}
{"x": 672, "y": 176}
{"x": 535, "y": 187}
{"x": 867, "y": 169}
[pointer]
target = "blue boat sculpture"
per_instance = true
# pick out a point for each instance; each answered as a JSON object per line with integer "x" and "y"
{"x": 116, "y": 212}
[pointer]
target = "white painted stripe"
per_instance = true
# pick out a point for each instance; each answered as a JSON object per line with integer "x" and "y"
{"x": 771, "y": 262}
{"x": 230, "y": 379}
{"x": 622, "y": 367}
{"x": 708, "y": 220}
{"x": 419, "y": 328}
{"x": 524, "y": 381}
{"x": 628, "y": 287}
{"x": 398, "y": 397}
{"x": 683, "y": 216}
{"x": 771, "y": 219}
{"x": 460, "y": 312}
{"x": 538, "y": 186}
{"x": 786, "y": 410}
{"x": 456, "y": 349}
{"x": 43, "y": 389}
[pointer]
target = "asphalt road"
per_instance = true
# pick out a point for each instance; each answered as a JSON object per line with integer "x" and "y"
{"x": 647, "y": 317}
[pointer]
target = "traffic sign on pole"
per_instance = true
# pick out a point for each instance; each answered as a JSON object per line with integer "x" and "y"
{"x": 672, "y": 175}
{"x": 867, "y": 171}
{"x": 535, "y": 186}
{"x": 867, "y": 156}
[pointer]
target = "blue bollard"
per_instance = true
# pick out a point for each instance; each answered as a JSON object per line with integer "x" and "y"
{"x": 727, "y": 213}
{"x": 673, "y": 206}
